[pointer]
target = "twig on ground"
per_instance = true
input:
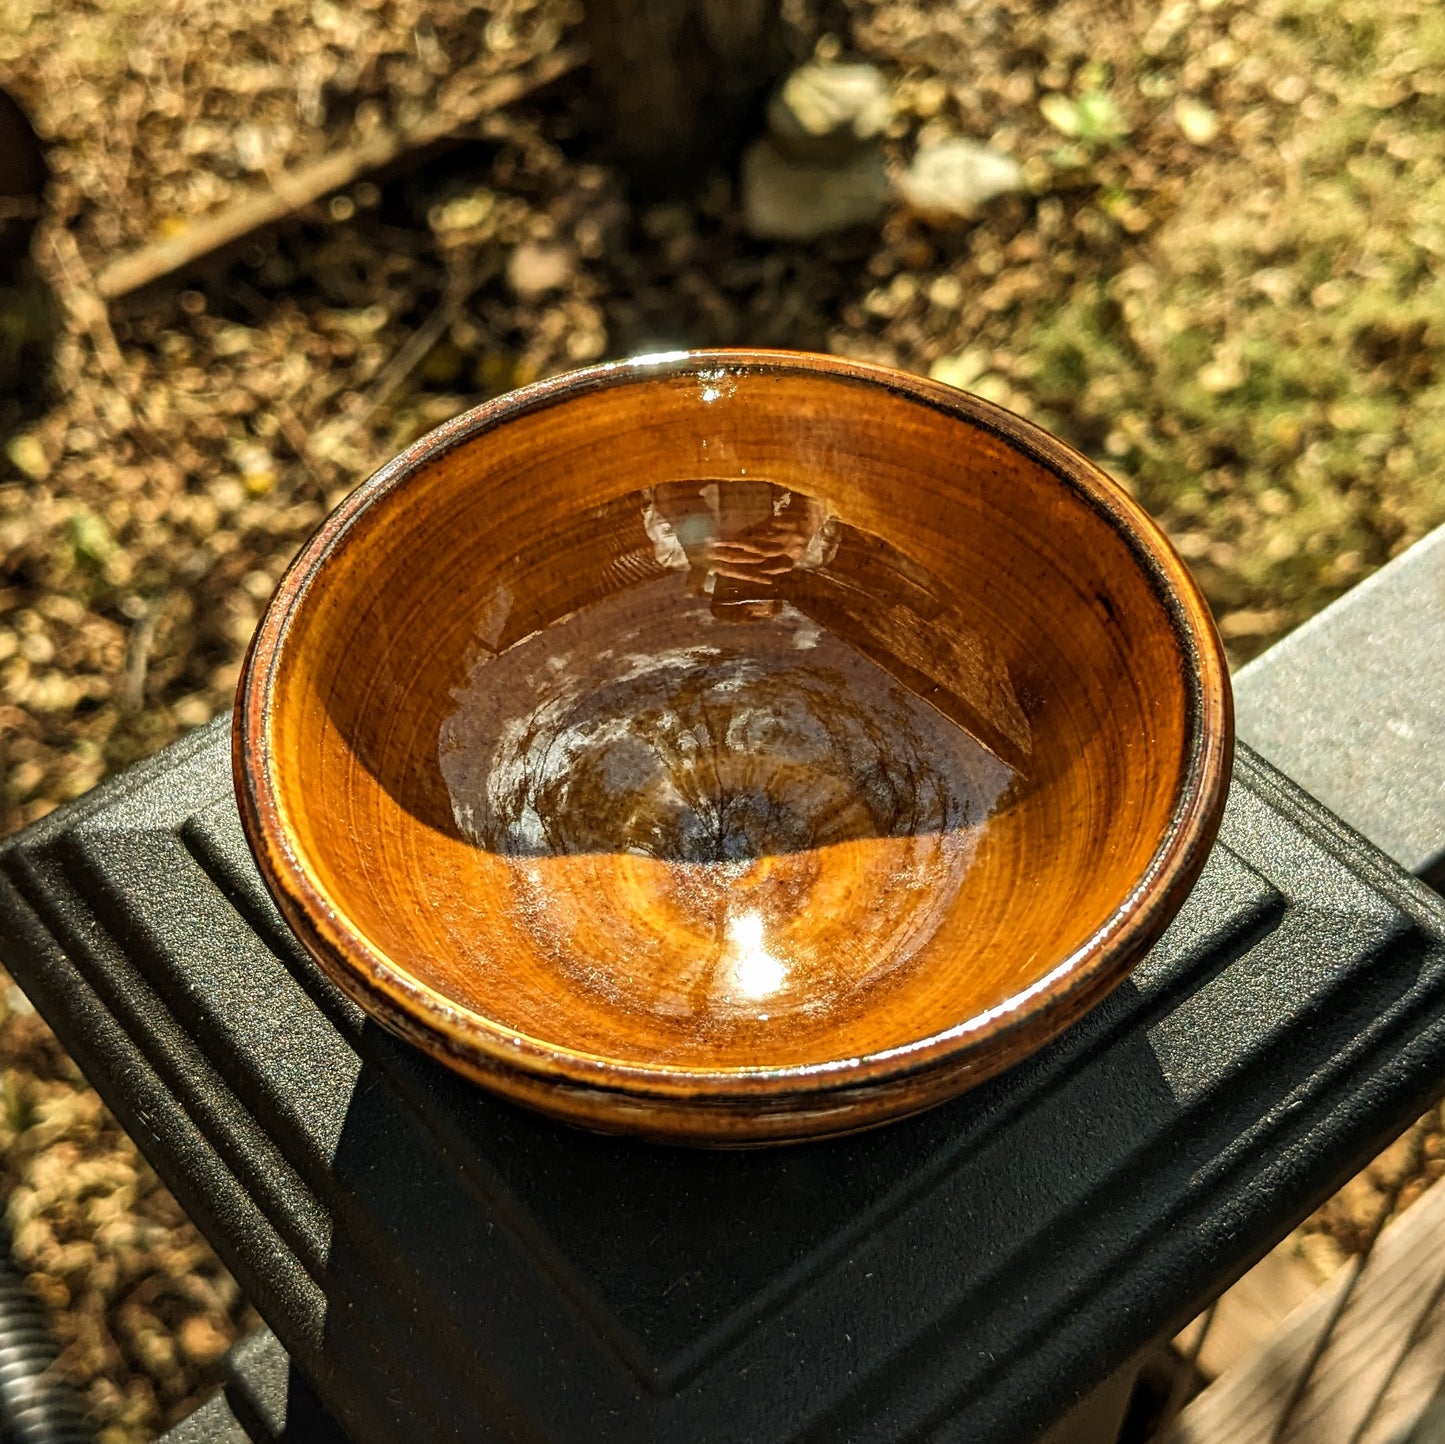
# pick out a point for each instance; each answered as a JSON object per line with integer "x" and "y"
{"x": 294, "y": 190}
{"x": 89, "y": 315}
{"x": 296, "y": 438}
{"x": 131, "y": 694}
{"x": 409, "y": 356}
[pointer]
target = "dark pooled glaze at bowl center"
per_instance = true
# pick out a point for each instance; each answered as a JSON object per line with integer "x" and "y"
{"x": 735, "y": 747}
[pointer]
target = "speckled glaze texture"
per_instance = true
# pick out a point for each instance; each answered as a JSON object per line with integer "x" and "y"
{"x": 733, "y": 747}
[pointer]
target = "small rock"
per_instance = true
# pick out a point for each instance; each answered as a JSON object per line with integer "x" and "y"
{"x": 1223, "y": 374}
{"x": 1198, "y": 122}
{"x": 1093, "y": 117}
{"x": 537, "y": 267}
{"x": 825, "y": 113}
{"x": 1291, "y": 89}
{"x": 946, "y": 292}
{"x": 462, "y": 213}
{"x": 1191, "y": 545}
{"x": 29, "y": 457}
{"x": 257, "y": 467}
{"x": 996, "y": 389}
{"x": 1251, "y": 622}
{"x": 929, "y": 98}
{"x": 788, "y": 200}
{"x": 961, "y": 370}
{"x": 1276, "y": 282}
{"x": 200, "y": 1340}
{"x": 91, "y": 539}
{"x": 252, "y": 147}
{"x": 954, "y": 179}
{"x": 193, "y": 711}
{"x": 1061, "y": 113}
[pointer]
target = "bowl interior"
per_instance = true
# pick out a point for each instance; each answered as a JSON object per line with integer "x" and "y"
{"x": 730, "y": 718}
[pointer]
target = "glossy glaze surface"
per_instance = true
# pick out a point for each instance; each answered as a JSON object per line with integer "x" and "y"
{"x": 733, "y": 748}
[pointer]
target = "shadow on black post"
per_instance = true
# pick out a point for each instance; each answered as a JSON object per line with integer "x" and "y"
{"x": 496, "y": 1275}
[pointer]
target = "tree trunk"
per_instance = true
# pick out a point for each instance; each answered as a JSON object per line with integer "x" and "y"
{"x": 681, "y": 83}
{"x": 22, "y": 184}
{"x": 28, "y": 315}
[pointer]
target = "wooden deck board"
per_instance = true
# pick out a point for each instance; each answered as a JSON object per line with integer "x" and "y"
{"x": 1380, "y": 1369}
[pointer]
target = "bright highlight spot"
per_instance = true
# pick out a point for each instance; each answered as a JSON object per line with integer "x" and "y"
{"x": 716, "y": 385}
{"x": 756, "y": 972}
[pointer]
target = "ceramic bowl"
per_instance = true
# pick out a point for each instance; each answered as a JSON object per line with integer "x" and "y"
{"x": 733, "y": 747}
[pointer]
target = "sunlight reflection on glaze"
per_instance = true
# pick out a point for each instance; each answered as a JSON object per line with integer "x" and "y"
{"x": 755, "y": 971}
{"x": 715, "y": 385}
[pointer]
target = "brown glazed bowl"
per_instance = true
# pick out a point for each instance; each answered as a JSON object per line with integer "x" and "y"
{"x": 733, "y": 747}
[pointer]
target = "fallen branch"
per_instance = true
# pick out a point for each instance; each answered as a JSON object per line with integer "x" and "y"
{"x": 294, "y": 190}
{"x": 411, "y": 354}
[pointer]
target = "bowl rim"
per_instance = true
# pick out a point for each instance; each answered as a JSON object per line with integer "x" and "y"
{"x": 484, "y": 1046}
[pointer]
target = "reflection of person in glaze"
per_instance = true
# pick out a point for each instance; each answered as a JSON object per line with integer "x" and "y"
{"x": 752, "y": 548}
{"x": 736, "y": 542}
